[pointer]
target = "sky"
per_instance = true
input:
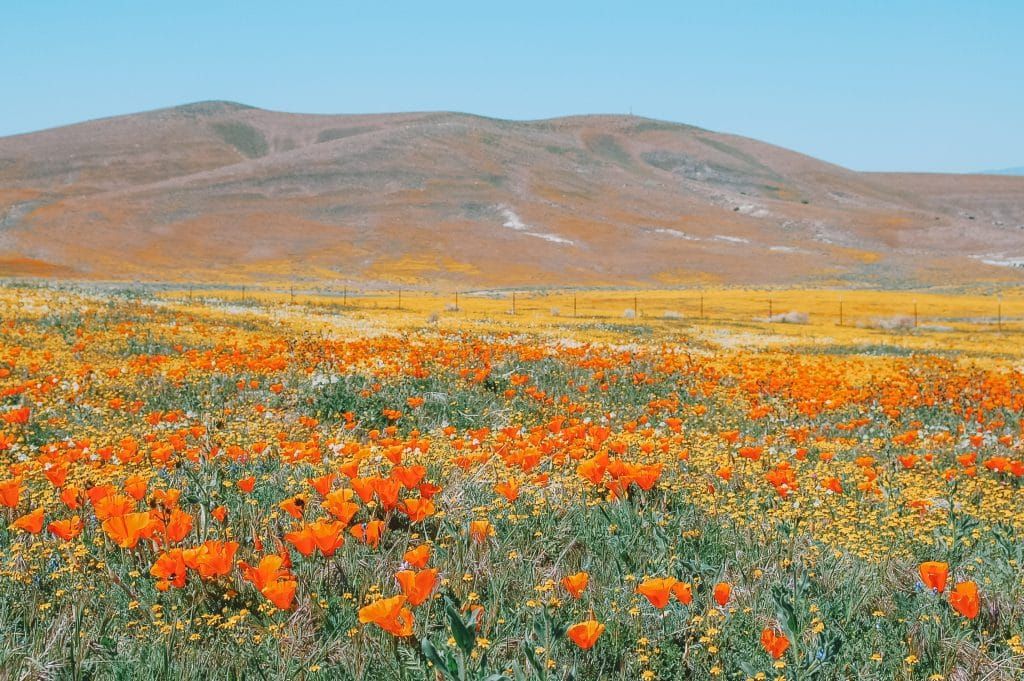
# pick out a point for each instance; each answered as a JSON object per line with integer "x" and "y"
{"x": 899, "y": 85}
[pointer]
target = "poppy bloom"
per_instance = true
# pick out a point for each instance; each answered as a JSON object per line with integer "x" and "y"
{"x": 220, "y": 513}
{"x": 246, "y": 484}
{"x": 417, "y": 586}
{"x": 508, "y": 489}
{"x": 418, "y": 509}
{"x": 136, "y": 487}
{"x": 585, "y": 634}
{"x": 270, "y": 568}
{"x": 10, "y": 492}
{"x": 126, "y": 530}
{"x": 213, "y": 558}
{"x": 722, "y": 592}
{"x": 775, "y": 644}
{"x": 295, "y": 506}
{"x": 418, "y": 556}
{"x": 322, "y": 484}
{"x": 657, "y": 591}
{"x": 388, "y": 614}
{"x": 683, "y": 593}
{"x": 964, "y": 599}
{"x": 480, "y": 530}
{"x": 369, "y": 533}
{"x": 933, "y": 575}
{"x": 338, "y": 504}
{"x": 170, "y": 570}
{"x": 66, "y": 529}
{"x": 576, "y": 584}
{"x": 30, "y": 522}
{"x": 178, "y": 526}
{"x": 410, "y": 476}
{"x": 280, "y": 592}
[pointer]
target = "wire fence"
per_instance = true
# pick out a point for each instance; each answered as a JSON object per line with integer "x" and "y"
{"x": 855, "y": 308}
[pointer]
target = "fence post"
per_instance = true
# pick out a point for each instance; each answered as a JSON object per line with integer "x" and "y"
{"x": 840, "y": 312}
{"x": 702, "y": 306}
{"x": 636, "y": 314}
{"x": 574, "y": 306}
{"x": 399, "y": 299}
{"x": 769, "y": 308}
{"x": 513, "y": 303}
{"x": 915, "y": 313}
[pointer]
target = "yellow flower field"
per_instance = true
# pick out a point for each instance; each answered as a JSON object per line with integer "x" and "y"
{"x": 337, "y": 484}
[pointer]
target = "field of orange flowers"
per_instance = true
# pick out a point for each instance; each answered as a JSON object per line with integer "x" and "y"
{"x": 213, "y": 490}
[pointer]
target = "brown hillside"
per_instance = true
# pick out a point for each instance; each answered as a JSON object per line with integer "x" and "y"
{"x": 221, "y": 191}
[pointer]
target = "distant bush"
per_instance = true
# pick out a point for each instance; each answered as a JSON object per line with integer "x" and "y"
{"x": 246, "y": 139}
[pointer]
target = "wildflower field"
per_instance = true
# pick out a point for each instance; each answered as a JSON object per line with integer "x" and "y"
{"x": 264, "y": 486}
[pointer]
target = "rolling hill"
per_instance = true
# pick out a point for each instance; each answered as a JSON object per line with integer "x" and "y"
{"x": 219, "y": 191}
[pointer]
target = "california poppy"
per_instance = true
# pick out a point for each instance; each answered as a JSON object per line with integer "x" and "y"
{"x": 774, "y": 643}
{"x": 480, "y": 530}
{"x": 585, "y": 634}
{"x": 169, "y": 569}
{"x": 418, "y": 556}
{"x": 964, "y": 599}
{"x": 933, "y": 574}
{"x": 389, "y": 614}
{"x": 575, "y": 584}
{"x": 657, "y": 590}
{"x": 126, "y": 530}
{"x": 683, "y": 593}
{"x": 214, "y": 558}
{"x": 280, "y": 592}
{"x": 30, "y": 522}
{"x": 270, "y": 568}
{"x": 417, "y": 586}
{"x": 66, "y": 529}
{"x": 722, "y": 592}
{"x": 10, "y": 492}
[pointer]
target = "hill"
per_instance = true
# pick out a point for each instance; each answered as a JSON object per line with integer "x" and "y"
{"x": 223, "y": 191}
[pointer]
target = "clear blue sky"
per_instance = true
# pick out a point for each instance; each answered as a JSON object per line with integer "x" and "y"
{"x": 935, "y": 86}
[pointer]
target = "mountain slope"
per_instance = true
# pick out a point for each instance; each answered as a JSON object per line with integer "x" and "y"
{"x": 217, "y": 190}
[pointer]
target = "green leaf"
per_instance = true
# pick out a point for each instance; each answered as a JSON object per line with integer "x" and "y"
{"x": 465, "y": 637}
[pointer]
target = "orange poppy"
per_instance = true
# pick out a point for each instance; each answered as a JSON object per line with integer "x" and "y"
{"x": 964, "y": 599}
{"x": 213, "y": 558}
{"x": 10, "y": 492}
{"x": 66, "y": 529}
{"x": 417, "y": 586}
{"x": 722, "y": 592}
{"x": 657, "y": 590}
{"x": 418, "y": 556}
{"x": 270, "y": 568}
{"x": 369, "y": 533}
{"x": 246, "y": 484}
{"x": 480, "y": 530}
{"x": 280, "y": 592}
{"x": 585, "y": 634}
{"x": 389, "y": 614}
{"x": 683, "y": 593}
{"x": 295, "y": 506}
{"x": 508, "y": 489}
{"x": 774, "y": 643}
{"x": 126, "y": 530}
{"x": 576, "y": 584}
{"x": 933, "y": 574}
{"x": 30, "y": 522}
{"x": 418, "y": 509}
{"x": 169, "y": 569}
